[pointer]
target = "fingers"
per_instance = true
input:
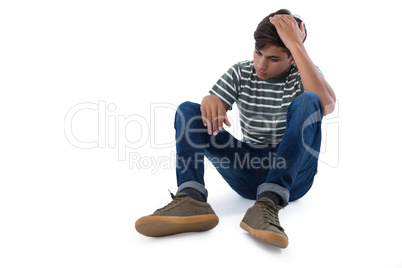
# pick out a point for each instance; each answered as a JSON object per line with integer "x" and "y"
{"x": 282, "y": 20}
{"x": 214, "y": 119}
{"x": 275, "y": 21}
{"x": 209, "y": 122}
{"x": 204, "y": 115}
{"x": 213, "y": 113}
{"x": 221, "y": 118}
{"x": 302, "y": 28}
{"x": 214, "y": 122}
{"x": 288, "y": 29}
{"x": 226, "y": 121}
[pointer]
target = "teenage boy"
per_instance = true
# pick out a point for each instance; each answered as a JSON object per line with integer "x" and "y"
{"x": 281, "y": 97}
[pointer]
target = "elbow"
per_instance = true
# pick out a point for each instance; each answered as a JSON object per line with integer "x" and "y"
{"x": 329, "y": 104}
{"x": 329, "y": 107}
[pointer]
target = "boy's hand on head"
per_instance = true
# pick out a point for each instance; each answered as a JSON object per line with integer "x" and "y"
{"x": 214, "y": 114}
{"x": 289, "y": 30}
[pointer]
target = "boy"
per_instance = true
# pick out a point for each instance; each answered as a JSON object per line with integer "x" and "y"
{"x": 281, "y": 97}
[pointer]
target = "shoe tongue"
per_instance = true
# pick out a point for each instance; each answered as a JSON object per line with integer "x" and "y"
{"x": 178, "y": 195}
{"x": 266, "y": 200}
{"x": 273, "y": 214}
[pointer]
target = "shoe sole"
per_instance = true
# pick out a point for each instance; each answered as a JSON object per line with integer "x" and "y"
{"x": 157, "y": 226}
{"x": 266, "y": 236}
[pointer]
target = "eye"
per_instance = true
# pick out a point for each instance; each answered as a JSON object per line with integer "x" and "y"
{"x": 274, "y": 60}
{"x": 258, "y": 52}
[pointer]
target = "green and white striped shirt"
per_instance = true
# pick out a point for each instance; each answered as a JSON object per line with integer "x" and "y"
{"x": 262, "y": 104}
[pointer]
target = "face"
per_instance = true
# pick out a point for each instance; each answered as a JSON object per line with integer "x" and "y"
{"x": 271, "y": 62}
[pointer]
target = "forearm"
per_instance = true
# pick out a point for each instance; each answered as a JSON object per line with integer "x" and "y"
{"x": 312, "y": 80}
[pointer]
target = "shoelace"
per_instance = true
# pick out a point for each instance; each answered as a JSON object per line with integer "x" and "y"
{"x": 176, "y": 198}
{"x": 270, "y": 213}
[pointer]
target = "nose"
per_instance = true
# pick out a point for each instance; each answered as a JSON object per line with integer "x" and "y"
{"x": 262, "y": 65}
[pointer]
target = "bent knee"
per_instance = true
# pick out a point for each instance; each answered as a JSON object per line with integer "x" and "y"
{"x": 308, "y": 97}
{"x": 306, "y": 101}
{"x": 188, "y": 106}
{"x": 186, "y": 111}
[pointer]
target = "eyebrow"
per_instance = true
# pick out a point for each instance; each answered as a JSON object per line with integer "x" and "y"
{"x": 271, "y": 57}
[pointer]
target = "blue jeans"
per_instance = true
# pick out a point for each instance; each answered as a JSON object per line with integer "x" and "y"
{"x": 287, "y": 168}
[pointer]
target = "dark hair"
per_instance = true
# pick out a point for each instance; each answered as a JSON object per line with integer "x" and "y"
{"x": 266, "y": 34}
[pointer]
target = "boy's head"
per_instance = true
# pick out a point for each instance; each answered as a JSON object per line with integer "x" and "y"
{"x": 266, "y": 34}
{"x": 271, "y": 57}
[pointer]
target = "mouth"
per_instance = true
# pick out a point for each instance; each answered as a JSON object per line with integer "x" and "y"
{"x": 260, "y": 73}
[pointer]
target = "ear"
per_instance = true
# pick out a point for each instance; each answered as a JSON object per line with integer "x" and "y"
{"x": 303, "y": 30}
{"x": 291, "y": 60}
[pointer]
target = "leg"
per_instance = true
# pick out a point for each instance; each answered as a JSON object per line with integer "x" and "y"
{"x": 191, "y": 139}
{"x": 184, "y": 213}
{"x": 192, "y": 142}
{"x": 300, "y": 148}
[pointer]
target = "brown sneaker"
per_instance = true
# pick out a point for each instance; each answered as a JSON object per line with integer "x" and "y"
{"x": 262, "y": 222}
{"x": 183, "y": 214}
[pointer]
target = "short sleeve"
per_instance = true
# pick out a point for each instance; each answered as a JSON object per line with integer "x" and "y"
{"x": 228, "y": 86}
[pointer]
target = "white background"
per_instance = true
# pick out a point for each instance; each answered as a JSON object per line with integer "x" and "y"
{"x": 64, "y": 206}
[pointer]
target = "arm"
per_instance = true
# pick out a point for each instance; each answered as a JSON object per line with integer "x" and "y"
{"x": 292, "y": 36}
{"x": 215, "y": 106}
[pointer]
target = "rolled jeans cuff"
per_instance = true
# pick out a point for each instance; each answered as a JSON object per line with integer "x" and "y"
{"x": 275, "y": 188}
{"x": 194, "y": 185}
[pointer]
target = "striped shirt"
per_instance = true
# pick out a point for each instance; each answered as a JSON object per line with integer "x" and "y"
{"x": 262, "y": 104}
